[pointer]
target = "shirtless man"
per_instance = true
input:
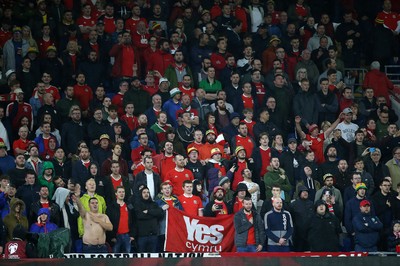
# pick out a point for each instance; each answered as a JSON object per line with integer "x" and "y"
{"x": 95, "y": 225}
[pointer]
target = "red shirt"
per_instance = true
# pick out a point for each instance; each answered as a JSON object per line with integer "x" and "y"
{"x": 177, "y": 178}
{"x": 43, "y": 45}
{"x": 109, "y": 24}
{"x": 20, "y": 144}
{"x": 128, "y": 55}
{"x": 123, "y": 226}
{"x": 265, "y": 159}
{"x": 4, "y": 36}
{"x": 250, "y": 126}
{"x": 86, "y": 22}
{"x": 130, "y": 24}
{"x": 247, "y": 144}
{"x": 248, "y": 102}
{"x": 218, "y": 61}
{"x": 116, "y": 183}
{"x": 260, "y": 92}
{"x": 131, "y": 121}
{"x": 191, "y": 205}
{"x": 389, "y": 19}
{"x": 166, "y": 165}
{"x": 83, "y": 94}
{"x": 150, "y": 89}
{"x": 135, "y": 153}
{"x": 251, "y": 237}
{"x": 237, "y": 177}
{"x": 191, "y": 92}
{"x": 238, "y": 205}
{"x": 317, "y": 146}
{"x": 118, "y": 101}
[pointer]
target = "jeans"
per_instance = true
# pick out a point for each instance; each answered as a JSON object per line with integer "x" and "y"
{"x": 359, "y": 248}
{"x": 248, "y": 248}
{"x": 94, "y": 248}
{"x": 272, "y": 248}
{"x": 147, "y": 244}
{"x": 123, "y": 244}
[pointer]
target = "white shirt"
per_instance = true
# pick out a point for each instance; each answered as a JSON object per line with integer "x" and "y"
{"x": 150, "y": 184}
{"x": 348, "y": 131}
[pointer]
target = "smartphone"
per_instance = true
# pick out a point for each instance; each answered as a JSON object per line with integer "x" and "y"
{"x": 372, "y": 150}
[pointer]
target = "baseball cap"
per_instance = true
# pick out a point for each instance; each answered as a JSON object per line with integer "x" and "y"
{"x": 365, "y": 203}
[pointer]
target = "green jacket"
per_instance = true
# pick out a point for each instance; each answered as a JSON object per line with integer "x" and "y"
{"x": 170, "y": 74}
{"x": 274, "y": 177}
{"x": 44, "y": 182}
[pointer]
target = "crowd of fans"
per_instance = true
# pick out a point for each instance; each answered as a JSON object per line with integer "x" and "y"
{"x": 113, "y": 112}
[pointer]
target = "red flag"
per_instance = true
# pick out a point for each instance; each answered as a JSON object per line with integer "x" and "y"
{"x": 187, "y": 233}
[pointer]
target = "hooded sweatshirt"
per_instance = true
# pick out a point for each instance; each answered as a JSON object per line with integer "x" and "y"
{"x": 43, "y": 227}
{"x": 10, "y": 221}
{"x": 43, "y": 181}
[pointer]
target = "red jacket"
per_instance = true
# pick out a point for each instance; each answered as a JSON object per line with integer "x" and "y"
{"x": 116, "y": 52}
{"x": 159, "y": 61}
{"x": 379, "y": 82}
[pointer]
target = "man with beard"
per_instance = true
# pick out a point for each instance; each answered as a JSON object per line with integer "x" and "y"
{"x": 44, "y": 202}
{"x": 341, "y": 175}
{"x": 210, "y": 144}
{"x": 221, "y": 114}
{"x": 249, "y": 232}
{"x": 165, "y": 160}
{"x": 328, "y": 180}
{"x": 176, "y": 71}
{"x": 186, "y": 130}
{"x": 195, "y": 165}
{"x": 126, "y": 58}
{"x": 331, "y": 162}
{"x": 244, "y": 140}
{"x": 301, "y": 210}
{"x": 80, "y": 169}
{"x": 178, "y": 175}
{"x": 217, "y": 206}
{"x": 33, "y": 162}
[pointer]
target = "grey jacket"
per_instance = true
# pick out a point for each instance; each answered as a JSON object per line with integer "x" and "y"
{"x": 242, "y": 226}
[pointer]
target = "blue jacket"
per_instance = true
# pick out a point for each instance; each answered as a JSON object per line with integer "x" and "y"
{"x": 278, "y": 225}
{"x": 366, "y": 228}
{"x": 46, "y": 227}
{"x": 352, "y": 209}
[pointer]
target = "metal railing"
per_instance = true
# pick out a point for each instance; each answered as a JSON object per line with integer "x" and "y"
{"x": 393, "y": 73}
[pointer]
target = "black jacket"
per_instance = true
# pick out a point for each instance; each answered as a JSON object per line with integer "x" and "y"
{"x": 113, "y": 212}
{"x": 323, "y": 233}
{"x": 55, "y": 214}
{"x": 147, "y": 223}
{"x": 141, "y": 179}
